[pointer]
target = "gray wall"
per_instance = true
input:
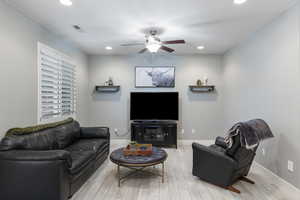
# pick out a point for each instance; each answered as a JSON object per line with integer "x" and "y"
{"x": 261, "y": 79}
{"x": 18, "y": 69}
{"x": 202, "y": 112}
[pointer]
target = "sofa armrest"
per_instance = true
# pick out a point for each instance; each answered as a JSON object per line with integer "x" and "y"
{"x": 220, "y": 141}
{"x": 212, "y": 165}
{"x": 94, "y": 132}
{"x": 34, "y": 175}
{"x": 26, "y": 155}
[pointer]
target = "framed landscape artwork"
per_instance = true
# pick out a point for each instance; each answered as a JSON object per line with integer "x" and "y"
{"x": 154, "y": 77}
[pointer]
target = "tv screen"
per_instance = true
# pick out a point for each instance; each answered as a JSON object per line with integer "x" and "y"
{"x": 154, "y": 106}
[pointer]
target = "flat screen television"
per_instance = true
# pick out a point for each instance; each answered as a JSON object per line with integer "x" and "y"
{"x": 154, "y": 106}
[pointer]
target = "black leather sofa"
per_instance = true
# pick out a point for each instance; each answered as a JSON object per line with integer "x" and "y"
{"x": 221, "y": 166}
{"x": 51, "y": 163}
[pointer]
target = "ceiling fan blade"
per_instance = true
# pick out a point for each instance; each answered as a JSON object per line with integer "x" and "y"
{"x": 132, "y": 44}
{"x": 174, "y": 42}
{"x": 143, "y": 50}
{"x": 167, "y": 49}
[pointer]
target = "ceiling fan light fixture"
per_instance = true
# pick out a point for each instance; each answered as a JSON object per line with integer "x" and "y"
{"x": 154, "y": 47}
{"x": 108, "y": 48}
{"x": 239, "y": 1}
{"x": 66, "y": 2}
{"x": 200, "y": 47}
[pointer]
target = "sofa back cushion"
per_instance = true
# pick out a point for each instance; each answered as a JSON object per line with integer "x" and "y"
{"x": 67, "y": 134}
{"x": 46, "y": 138}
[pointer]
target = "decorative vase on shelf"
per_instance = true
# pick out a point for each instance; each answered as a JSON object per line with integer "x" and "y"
{"x": 110, "y": 81}
{"x": 199, "y": 83}
{"x": 205, "y": 81}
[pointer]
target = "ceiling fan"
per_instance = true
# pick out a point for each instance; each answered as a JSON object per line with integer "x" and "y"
{"x": 153, "y": 43}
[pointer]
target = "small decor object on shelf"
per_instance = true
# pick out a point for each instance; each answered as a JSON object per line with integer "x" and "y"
{"x": 199, "y": 82}
{"x": 110, "y": 81}
{"x": 134, "y": 149}
{"x": 205, "y": 80}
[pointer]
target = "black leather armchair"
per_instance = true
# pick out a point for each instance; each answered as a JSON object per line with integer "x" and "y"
{"x": 220, "y": 166}
{"x": 51, "y": 163}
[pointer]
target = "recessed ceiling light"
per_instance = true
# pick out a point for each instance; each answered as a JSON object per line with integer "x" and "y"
{"x": 239, "y": 1}
{"x": 108, "y": 48}
{"x": 66, "y": 2}
{"x": 200, "y": 47}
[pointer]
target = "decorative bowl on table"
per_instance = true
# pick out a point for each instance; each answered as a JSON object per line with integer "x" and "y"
{"x": 135, "y": 149}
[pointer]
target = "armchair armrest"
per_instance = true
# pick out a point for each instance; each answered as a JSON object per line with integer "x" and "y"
{"x": 220, "y": 141}
{"x": 26, "y": 155}
{"x": 212, "y": 165}
{"x": 94, "y": 132}
{"x": 213, "y": 155}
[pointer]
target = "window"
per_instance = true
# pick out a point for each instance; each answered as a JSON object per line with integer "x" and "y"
{"x": 57, "y": 89}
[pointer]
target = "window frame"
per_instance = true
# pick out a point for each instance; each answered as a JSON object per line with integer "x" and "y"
{"x": 63, "y": 57}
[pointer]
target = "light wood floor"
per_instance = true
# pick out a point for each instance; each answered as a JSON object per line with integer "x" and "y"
{"x": 180, "y": 184}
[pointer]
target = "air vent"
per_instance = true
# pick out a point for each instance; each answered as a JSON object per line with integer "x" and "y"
{"x": 77, "y": 27}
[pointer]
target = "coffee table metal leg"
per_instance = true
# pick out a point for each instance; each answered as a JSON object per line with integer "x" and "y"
{"x": 119, "y": 176}
{"x": 163, "y": 172}
{"x": 140, "y": 169}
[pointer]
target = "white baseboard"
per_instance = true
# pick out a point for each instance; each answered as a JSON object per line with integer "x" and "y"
{"x": 119, "y": 141}
{"x": 180, "y": 142}
{"x": 278, "y": 177}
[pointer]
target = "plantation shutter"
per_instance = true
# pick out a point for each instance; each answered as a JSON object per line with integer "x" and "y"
{"x": 57, "y": 89}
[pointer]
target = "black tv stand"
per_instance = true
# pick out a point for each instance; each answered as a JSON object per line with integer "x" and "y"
{"x": 158, "y": 133}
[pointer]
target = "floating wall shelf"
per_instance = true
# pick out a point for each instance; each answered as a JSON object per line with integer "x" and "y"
{"x": 205, "y": 88}
{"x": 108, "y": 89}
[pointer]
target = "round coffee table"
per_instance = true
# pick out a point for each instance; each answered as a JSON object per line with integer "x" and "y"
{"x": 139, "y": 163}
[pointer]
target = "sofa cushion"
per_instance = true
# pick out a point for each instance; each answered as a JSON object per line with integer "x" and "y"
{"x": 87, "y": 145}
{"x": 45, "y": 139}
{"x": 94, "y": 132}
{"x": 81, "y": 159}
{"x": 36, "y": 141}
{"x": 67, "y": 134}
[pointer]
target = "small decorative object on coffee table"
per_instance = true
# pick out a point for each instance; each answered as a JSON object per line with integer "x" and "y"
{"x": 138, "y": 163}
{"x": 134, "y": 149}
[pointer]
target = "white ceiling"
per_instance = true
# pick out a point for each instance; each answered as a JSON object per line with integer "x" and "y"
{"x": 217, "y": 24}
